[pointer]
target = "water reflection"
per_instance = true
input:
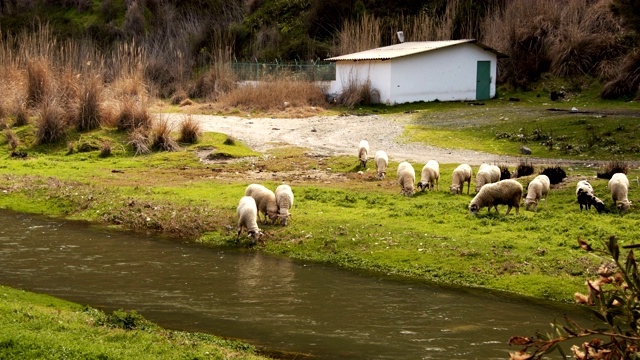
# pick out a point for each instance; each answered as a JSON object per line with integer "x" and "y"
{"x": 268, "y": 301}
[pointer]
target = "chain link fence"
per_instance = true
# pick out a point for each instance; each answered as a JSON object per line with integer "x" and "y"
{"x": 290, "y": 71}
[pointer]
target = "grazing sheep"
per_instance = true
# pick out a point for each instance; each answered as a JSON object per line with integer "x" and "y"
{"x": 406, "y": 178}
{"x": 265, "y": 200}
{"x": 430, "y": 175}
{"x": 619, "y": 187}
{"x": 284, "y": 199}
{"x": 363, "y": 153}
{"x": 506, "y": 192}
{"x": 584, "y": 193}
{"x": 382, "y": 160}
{"x": 586, "y": 198}
{"x": 247, "y": 213}
{"x": 487, "y": 174}
{"x": 538, "y": 189}
{"x": 461, "y": 174}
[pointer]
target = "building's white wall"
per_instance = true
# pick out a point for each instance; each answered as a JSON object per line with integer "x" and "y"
{"x": 377, "y": 72}
{"x": 448, "y": 74}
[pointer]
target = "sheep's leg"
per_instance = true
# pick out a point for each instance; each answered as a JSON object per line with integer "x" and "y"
{"x": 498, "y": 212}
{"x": 508, "y": 210}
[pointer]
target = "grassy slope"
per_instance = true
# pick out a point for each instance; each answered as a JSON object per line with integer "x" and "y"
{"x": 36, "y": 326}
{"x": 353, "y": 221}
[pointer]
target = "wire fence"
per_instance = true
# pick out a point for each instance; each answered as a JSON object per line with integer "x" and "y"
{"x": 289, "y": 71}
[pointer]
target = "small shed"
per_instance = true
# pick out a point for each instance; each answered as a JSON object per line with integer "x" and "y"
{"x": 451, "y": 70}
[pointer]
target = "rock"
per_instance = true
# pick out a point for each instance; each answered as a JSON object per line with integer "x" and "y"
{"x": 525, "y": 150}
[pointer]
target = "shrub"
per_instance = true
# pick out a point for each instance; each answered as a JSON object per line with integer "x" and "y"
{"x": 613, "y": 299}
{"x": 358, "y": 94}
{"x": 11, "y": 139}
{"x": 139, "y": 141}
{"x": 52, "y": 124}
{"x": 504, "y": 172}
{"x": 133, "y": 115}
{"x": 555, "y": 174}
{"x": 161, "y": 137}
{"x": 613, "y": 167}
{"x": 189, "y": 130}
{"x": 105, "y": 149}
{"x": 230, "y": 140}
{"x": 89, "y": 115}
{"x": 22, "y": 116}
{"x": 275, "y": 95}
{"x": 38, "y": 82}
{"x": 524, "y": 168}
{"x": 627, "y": 83}
{"x": 178, "y": 97}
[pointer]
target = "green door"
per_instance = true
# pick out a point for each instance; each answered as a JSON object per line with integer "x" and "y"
{"x": 483, "y": 87}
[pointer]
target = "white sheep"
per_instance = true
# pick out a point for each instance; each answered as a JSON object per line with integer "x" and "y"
{"x": 284, "y": 200}
{"x": 461, "y": 174}
{"x": 487, "y": 174}
{"x": 505, "y": 192}
{"x": 247, "y": 214}
{"x": 382, "y": 161}
{"x": 538, "y": 189}
{"x": 363, "y": 152}
{"x": 406, "y": 178}
{"x": 265, "y": 200}
{"x": 619, "y": 187}
{"x": 430, "y": 175}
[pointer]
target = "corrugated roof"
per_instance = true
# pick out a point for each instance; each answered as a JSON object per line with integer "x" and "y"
{"x": 406, "y": 48}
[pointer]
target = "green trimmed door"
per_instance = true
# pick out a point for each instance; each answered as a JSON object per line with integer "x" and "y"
{"x": 483, "y": 87}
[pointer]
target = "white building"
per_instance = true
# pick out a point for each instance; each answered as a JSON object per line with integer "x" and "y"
{"x": 422, "y": 71}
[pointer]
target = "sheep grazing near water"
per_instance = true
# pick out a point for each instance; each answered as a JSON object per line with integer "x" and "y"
{"x": 538, "y": 189}
{"x": 406, "y": 178}
{"x": 487, "y": 174}
{"x": 265, "y": 200}
{"x": 460, "y": 175}
{"x": 619, "y": 187}
{"x": 284, "y": 199}
{"x": 247, "y": 214}
{"x": 363, "y": 153}
{"x": 430, "y": 175}
{"x": 586, "y": 197}
{"x": 505, "y": 192}
{"x": 382, "y": 161}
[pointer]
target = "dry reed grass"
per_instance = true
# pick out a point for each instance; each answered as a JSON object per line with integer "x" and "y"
{"x": 275, "y": 96}
{"x": 89, "y": 114}
{"x": 133, "y": 114}
{"x": 161, "y": 136}
{"x": 12, "y": 139}
{"x": 22, "y": 116}
{"x": 190, "y": 130}
{"x": 139, "y": 141}
{"x": 356, "y": 93}
{"x": 51, "y": 126}
{"x": 39, "y": 77}
{"x": 613, "y": 167}
{"x": 105, "y": 149}
{"x": 627, "y": 80}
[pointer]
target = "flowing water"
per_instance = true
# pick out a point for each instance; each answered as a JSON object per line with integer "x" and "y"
{"x": 270, "y": 302}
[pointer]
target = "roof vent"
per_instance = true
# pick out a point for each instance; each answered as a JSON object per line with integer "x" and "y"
{"x": 400, "y": 36}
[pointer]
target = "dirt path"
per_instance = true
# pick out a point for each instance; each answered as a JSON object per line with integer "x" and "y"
{"x": 340, "y": 135}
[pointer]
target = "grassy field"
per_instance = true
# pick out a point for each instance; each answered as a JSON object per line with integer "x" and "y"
{"x": 34, "y": 326}
{"x": 340, "y": 217}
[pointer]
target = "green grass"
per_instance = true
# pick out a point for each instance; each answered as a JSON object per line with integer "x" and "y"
{"x": 34, "y": 326}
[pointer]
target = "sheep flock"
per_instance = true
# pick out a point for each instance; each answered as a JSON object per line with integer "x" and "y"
{"x": 490, "y": 191}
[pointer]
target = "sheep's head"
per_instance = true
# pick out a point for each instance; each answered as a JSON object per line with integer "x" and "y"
{"x": 423, "y": 185}
{"x": 363, "y": 162}
{"x": 623, "y": 205}
{"x": 273, "y": 215}
{"x": 598, "y": 204}
{"x": 284, "y": 218}
{"x": 255, "y": 235}
{"x": 381, "y": 175}
{"x": 407, "y": 191}
{"x": 474, "y": 208}
{"x": 529, "y": 202}
{"x": 455, "y": 188}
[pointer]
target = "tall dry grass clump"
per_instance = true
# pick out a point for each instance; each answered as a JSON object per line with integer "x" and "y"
{"x": 133, "y": 114}
{"x": 90, "y": 112}
{"x": 357, "y": 93}
{"x": 190, "y": 130}
{"x": 362, "y": 34}
{"x": 161, "y": 136}
{"x": 39, "y": 81}
{"x": 626, "y": 82}
{"x": 51, "y": 126}
{"x": 22, "y": 116}
{"x": 139, "y": 141}
{"x": 214, "y": 83}
{"x": 275, "y": 95}
{"x": 12, "y": 139}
